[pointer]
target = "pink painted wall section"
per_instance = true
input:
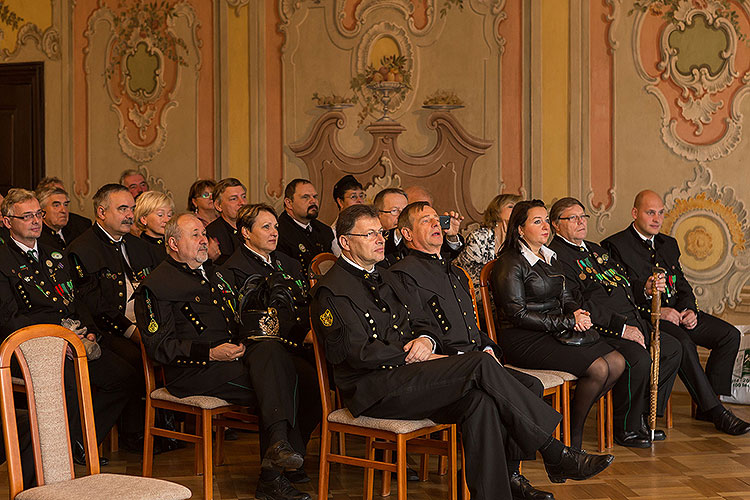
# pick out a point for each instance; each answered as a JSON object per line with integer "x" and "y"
{"x": 601, "y": 105}
{"x": 419, "y": 15}
{"x": 206, "y": 136}
{"x": 511, "y": 29}
{"x": 274, "y": 126}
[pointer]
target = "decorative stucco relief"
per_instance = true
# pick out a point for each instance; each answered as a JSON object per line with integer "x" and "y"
{"x": 47, "y": 41}
{"x": 711, "y": 227}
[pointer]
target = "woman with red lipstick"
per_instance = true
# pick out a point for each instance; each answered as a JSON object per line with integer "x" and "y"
{"x": 545, "y": 327}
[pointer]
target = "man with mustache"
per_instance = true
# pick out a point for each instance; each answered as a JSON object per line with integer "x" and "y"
{"x": 301, "y": 235}
{"x": 229, "y": 196}
{"x": 185, "y": 315}
{"x": 108, "y": 265}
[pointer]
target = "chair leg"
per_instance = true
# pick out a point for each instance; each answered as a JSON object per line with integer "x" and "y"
{"x": 369, "y": 472}
{"x": 424, "y": 465}
{"x": 464, "y": 486}
{"x": 442, "y": 461}
{"x": 600, "y": 423}
{"x": 610, "y": 421}
{"x": 219, "y": 458}
{"x": 342, "y": 443}
{"x": 669, "y": 412}
{"x": 401, "y": 466}
{"x": 114, "y": 440}
{"x": 325, "y": 465}
{"x": 451, "y": 460}
{"x": 556, "y": 406}
{"x": 148, "y": 440}
{"x": 385, "y": 489}
{"x": 566, "y": 412}
{"x": 208, "y": 476}
{"x": 198, "y": 447}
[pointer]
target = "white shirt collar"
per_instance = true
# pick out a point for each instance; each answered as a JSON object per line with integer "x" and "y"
{"x": 582, "y": 245}
{"x": 109, "y": 235}
{"x": 533, "y": 259}
{"x": 348, "y": 261}
{"x": 267, "y": 261}
{"x": 303, "y": 226}
{"x": 24, "y": 248}
{"x": 644, "y": 238}
{"x": 397, "y": 237}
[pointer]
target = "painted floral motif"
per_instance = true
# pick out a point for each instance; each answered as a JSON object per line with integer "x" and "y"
{"x": 698, "y": 242}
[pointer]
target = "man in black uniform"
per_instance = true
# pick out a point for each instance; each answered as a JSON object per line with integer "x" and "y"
{"x": 442, "y": 289}
{"x": 108, "y": 264}
{"x": 385, "y": 367}
{"x": 600, "y": 286}
{"x": 301, "y": 235}
{"x": 229, "y": 196}
{"x": 641, "y": 247}
{"x": 36, "y": 287}
{"x": 185, "y": 311}
{"x": 77, "y": 224}
{"x": 258, "y": 257}
{"x": 59, "y": 227}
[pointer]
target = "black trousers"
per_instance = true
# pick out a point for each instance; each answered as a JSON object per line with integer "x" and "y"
{"x": 281, "y": 386}
{"x": 631, "y": 393}
{"x": 132, "y": 418}
{"x": 489, "y": 404}
{"x": 114, "y": 385}
{"x": 723, "y": 340}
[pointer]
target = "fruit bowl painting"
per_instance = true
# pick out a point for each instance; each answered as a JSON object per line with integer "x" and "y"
{"x": 379, "y": 86}
{"x": 333, "y": 102}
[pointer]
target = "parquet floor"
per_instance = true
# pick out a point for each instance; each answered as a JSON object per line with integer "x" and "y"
{"x": 694, "y": 462}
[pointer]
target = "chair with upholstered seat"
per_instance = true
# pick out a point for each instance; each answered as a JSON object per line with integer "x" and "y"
{"x": 394, "y": 435}
{"x": 208, "y": 411}
{"x": 41, "y": 352}
{"x": 320, "y": 265}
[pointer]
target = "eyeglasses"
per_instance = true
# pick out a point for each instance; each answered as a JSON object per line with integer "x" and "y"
{"x": 204, "y": 195}
{"x": 394, "y": 211}
{"x": 29, "y": 217}
{"x": 577, "y": 218}
{"x": 357, "y": 196}
{"x": 370, "y": 235}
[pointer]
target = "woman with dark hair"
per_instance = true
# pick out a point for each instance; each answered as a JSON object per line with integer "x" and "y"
{"x": 201, "y": 202}
{"x": 547, "y": 329}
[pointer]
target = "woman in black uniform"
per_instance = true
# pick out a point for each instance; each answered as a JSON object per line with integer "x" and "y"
{"x": 545, "y": 328}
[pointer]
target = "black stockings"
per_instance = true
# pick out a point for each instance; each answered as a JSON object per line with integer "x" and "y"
{"x": 599, "y": 378}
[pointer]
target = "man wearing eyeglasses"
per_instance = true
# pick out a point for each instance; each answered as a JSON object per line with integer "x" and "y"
{"x": 36, "y": 287}
{"x": 641, "y": 247}
{"x": 601, "y": 286}
{"x": 346, "y": 192}
{"x": 384, "y": 364}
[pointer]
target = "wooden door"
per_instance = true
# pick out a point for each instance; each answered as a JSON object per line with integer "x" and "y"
{"x": 21, "y": 125}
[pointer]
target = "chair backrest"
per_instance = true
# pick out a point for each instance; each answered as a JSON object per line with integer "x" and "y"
{"x": 473, "y": 295}
{"x": 321, "y": 367}
{"x": 41, "y": 351}
{"x": 485, "y": 290}
{"x": 149, "y": 371}
{"x": 320, "y": 265}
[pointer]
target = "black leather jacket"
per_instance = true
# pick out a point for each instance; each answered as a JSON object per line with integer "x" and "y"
{"x": 532, "y": 297}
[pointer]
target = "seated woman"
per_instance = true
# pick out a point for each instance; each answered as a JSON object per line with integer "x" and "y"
{"x": 547, "y": 328}
{"x": 258, "y": 227}
{"x": 201, "y": 202}
{"x": 152, "y": 212}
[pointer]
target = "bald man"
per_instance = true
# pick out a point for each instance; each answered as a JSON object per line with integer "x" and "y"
{"x": 640, "y": 248}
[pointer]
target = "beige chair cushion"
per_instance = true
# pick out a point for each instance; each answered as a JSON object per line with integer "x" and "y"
{"x": 344, "y": 416}
{"x": 568, "y": 377}
{"x": 108, "y": 487}
{"x": 548, "y": 378}
{"x": 17, "y": 381}
{"x": 204, "y": 402}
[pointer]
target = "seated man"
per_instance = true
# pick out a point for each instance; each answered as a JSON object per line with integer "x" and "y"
{"x": 385, "y": 367}
{"x": 641, "y": 247}
{"x": 443, "y": 289}
{"x": 301, "y": 235}
{"x": 185, "y": 313}
{"x": 77, "y": 224}
{"x": 229, "y": 196}
{"x": 36, "y": 287}
{"x": 346, "y": 192}
{"x": 59, "y": 229}
{"x": 599, "y": 285}
{"x": 134, "y": 181}
{"x": 258, "y": 257}
{"x": 395, "y": 248}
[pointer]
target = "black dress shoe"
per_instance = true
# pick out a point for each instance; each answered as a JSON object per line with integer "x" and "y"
{"x": 729, "y": 423}
{"x": 79, "y": 455}
{"x": 632, "y": 439}
{"x": 132, "y": 442}
{"x": 297, "y": 476}
{"x": 659, "y": 434}
{"x": 282, "y": 455}
{"x": 577, "y": 465}
{"x": 703, "y": 416}
{"x": 279, "y": 489}
{"x": 521, "y": 489}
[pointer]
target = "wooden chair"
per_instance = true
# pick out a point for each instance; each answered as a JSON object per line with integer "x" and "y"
{"x": 395, "y": 434}
{"x": 605, "y": 432}
{"x": 320, "y": 265}
{"x": 41, "y": 352}
{"x": 209, "y": 411}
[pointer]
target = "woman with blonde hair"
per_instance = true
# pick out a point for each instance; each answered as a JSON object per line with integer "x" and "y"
{"x": 152, "y": 212}
{"x": 483, "y": 243}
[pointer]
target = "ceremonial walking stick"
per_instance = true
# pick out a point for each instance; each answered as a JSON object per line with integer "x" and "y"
{"x": 655, "y": 347}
